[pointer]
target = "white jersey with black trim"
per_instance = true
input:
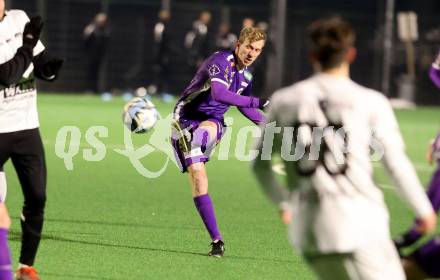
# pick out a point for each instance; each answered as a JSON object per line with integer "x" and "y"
{"x": 338, "y": 208}
{"x": 18, "y": 103}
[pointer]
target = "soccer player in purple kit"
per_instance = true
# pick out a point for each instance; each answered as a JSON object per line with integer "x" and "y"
{"x": 221, "y": 81}
{"x": 434, "y": 72}
{"x": 5, "y": 254}
{"x": 424, "y": 262}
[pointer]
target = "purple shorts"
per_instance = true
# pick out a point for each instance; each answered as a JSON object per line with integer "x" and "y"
{"x": 428, "y": 257}
{"x": 191, "y": 145}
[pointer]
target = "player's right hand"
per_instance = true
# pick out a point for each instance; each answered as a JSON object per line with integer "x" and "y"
{"x": 53, "y": 66}
{"x": 32, "y": 31}
{"x": 286, "y": 216}
{"x": 427, "y": 224}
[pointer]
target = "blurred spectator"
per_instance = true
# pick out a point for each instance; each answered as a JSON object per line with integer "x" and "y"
{"x": 162, "y": 50}
{"x": 96, "y": 35}
{"x": 433, "y": 35}
{"x": 248, "y": 22}
{"x": 197, "y": 41}
{"x": 225, "y": 40}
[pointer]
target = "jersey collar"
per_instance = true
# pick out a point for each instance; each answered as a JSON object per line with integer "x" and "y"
{"x": 236, "y": 63}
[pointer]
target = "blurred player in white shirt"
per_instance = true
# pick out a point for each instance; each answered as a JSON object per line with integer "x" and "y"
{"x": 23, "y": 59}
{"x": 341, "y": 223}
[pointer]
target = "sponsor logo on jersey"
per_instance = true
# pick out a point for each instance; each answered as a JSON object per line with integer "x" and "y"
{"x": 213, "y": 70}
{"x": 24, "y": 86}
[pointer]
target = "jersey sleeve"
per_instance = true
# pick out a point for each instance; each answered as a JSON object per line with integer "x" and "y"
{"x": 252, "y": 114}
{"x": 218, "y": 69}
{"x": 12, "y": 70}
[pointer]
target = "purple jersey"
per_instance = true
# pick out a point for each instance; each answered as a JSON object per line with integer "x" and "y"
{"x": 434, "y": 74}
{"x": 436, "y": 149}
{"x": 198, "y": 102}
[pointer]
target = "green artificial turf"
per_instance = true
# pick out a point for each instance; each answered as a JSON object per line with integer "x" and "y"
{"x": 106, "y": 221}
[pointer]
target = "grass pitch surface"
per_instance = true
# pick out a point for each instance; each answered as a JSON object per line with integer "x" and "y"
{"x": 106, "y": 221}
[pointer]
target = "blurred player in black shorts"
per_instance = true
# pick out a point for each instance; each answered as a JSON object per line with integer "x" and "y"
{"x": 23, "y": 58}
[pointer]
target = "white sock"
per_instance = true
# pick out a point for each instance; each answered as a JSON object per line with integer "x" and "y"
{"x": 3, "y": 186}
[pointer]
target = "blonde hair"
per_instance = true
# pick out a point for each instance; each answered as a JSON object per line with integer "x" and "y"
{"x": 252, "y": 34}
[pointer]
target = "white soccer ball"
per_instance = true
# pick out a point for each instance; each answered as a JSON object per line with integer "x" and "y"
{"x": 140, "y": 115}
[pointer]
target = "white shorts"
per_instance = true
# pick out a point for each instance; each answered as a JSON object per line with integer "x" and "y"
{"x": 374, "y": 261}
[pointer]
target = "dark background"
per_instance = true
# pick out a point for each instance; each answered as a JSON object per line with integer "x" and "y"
{"x": 129, "y": 59}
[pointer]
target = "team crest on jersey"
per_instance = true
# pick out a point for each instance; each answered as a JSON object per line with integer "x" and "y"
{"x": 214, "y": 70}
{"x": 248, "y": 75}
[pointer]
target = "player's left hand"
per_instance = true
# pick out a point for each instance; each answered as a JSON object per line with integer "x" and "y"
{"x": 286, "y": 216}
{"x": 53, "y": 66}
{"x": 427, "y": 224}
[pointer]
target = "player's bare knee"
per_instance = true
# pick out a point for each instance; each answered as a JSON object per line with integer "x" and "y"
{"x": 198, "y": 179}
{"x": 5, "y": 221}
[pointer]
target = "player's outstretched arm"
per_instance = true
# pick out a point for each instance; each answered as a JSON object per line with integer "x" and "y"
{"x": 400, "y": 168}
{"x": 408, "y": 185}
{"x": 220, "y": 93}
{"x": 262, "y": 168}
{"x": 253, "y": 115}
{"x": 277, "y": 193}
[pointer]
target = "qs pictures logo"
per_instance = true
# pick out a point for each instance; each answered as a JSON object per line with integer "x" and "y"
{"x": 69, "y": 141}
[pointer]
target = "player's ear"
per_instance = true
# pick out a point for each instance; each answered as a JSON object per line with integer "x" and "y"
{"x": 237, "y": 46}
{"x": 351, "y": 55}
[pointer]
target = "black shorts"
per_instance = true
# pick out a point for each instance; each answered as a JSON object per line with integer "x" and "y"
{"x": 25, "y": 149}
